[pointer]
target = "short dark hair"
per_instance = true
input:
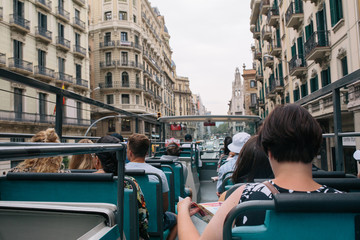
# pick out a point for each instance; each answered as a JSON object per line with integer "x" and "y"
{"x": 139, "y": 144}
{"x": 290, "y": 133}
{"x": 173, "y": 149}
{"x": 188, "y": 137}
{"x": 252, "y": 163}
{"x": 108, "y": 159}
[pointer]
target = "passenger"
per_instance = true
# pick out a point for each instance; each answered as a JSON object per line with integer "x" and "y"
{"x": 291, "y": 137}
{"x": 252, "y": 163}
{"x": 82, "y": 161}
{"x": 226, "y": 153}
{"x": 118, "y": 136}
{"x": 188, "y": 140}
{"x": 138, "y": 146}
{"x": 43, "y": 165}
{"x": 106, "y": 162}
{"x": 238, "y": 142}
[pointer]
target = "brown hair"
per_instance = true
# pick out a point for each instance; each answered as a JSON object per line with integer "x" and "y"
{"x": 138, "y": 144}
{"x": 290, "y": 133}
{"x": 173, "y": 149}
{"x": 48, "y": 164}
{"x": 252, "y": 163}
{"x": 82, "y": 161}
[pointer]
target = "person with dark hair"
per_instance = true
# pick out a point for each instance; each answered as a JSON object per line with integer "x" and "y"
{"x": 188, "y": 138}
{"x": 291, "y": 138}
{"x": 226, "y": 152}
{"x": 173, "y": 153}
{"x": 138, "y": 146}
{"x": 106, "y": 162}
{"x": 118, "y": 136}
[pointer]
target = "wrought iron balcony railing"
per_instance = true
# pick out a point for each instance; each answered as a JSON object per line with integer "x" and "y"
{"x": 20, "y": 21}
{"x": 21, "y": 64}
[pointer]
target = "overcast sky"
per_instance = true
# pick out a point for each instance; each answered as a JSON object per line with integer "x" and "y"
{"x": 209, "y": 39}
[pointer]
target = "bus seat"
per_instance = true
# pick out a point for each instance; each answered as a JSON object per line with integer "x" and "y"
{"x": 342, "y": 184}
{"x": 72, "y": 187}
{"x": 300, "y": 216}
{"x": 152, "y": 190}
{"x": 226, "y": 181}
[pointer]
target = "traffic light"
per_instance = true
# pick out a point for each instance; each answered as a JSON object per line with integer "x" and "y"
{"x": 158, "y": 115}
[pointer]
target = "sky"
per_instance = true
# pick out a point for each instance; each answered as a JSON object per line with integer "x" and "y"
{"x": 209, "y": 39}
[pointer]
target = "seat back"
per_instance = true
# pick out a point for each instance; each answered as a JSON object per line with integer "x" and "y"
{"x": 74, "y": 187}
{"x": 300, "y": 216}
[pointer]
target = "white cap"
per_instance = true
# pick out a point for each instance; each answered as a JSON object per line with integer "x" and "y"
{"x": 238, "y": 141}
{"x": 357, "y": 155}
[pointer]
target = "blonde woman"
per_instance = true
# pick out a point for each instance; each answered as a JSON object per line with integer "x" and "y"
{"x": 46, "y": 165}
{"x": 82, "y": 161}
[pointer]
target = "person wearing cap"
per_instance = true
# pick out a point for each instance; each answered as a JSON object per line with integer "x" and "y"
{"x": 238, "y": 142}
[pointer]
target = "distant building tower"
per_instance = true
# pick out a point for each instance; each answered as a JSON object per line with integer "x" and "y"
{"x": 237, "y": 101}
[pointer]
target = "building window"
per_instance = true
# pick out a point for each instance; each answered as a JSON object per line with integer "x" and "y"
{"x": 61, "y": 31}
{"x": 314, "y": 84}
{"x": 296, "y": 95}
{"x": 124, "y": 37}
{"x": 107, "y": 16}
{"x": 108, "y": 80}
{"x": 111, "y": 125}
{"x": 252, "y": 84}
{"x": 77, "y": 39}
{"x": 42, "y": 23}
{"x": 107, "y": 38}
{"x": 344, "y": 66}
{"x": 18, "y": 51}
{"x": 42, "y": 106}
{"x": 18, "y": 103}
{"x": 325, "y": 77}
{"x": 137, "y": 99}
{"x": 125, "y": 125}
{"x": 78, "y": 74}
{"x": 108, "y": 58}
{"x": 287, "y": 98}
{"x": 125, "y": 79}
{"x": 79, "y": 112}
{"x": 110, "y": 99}
{"x": 304, "y": 89}
{"x": 253, "y": 97}
{"x": 134, "y": 18}
{"x": 122, "y": 15}
{"x": 124, "y": 58}
{"x": 41, "y": 60}
{"x": 18, "y": 8}
{"x": 125, "y": 99}
{"x": 61, "y": 66}
{"x": 335, "y": 11}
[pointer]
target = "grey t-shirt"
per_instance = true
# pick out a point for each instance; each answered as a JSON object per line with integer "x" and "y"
{"x": 150, "y": 169}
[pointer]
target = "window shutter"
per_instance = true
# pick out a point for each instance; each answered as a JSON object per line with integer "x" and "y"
{"x": 333, "y": 12}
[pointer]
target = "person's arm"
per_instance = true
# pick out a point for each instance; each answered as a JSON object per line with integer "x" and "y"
{"x": 165, "y": 201}
{"x": 214, "y": 230}
{"x": 219, "y": 181}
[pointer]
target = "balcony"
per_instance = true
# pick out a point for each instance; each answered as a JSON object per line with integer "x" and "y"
{"x": 44, "y": 4}
{"x": 43, "y": 34}
{"x": 317, "y": 47}
{"x": 158, "y": 98}
{"x": 275, "y": 49}
{"x": 266, "y": 33}
{"x": 80, "y": 2}
{"x": 137, "y": 47}
{"x": 62, "y": 77}
{"x": 62, "y": 44}
{"x": 269, "y": 92}
{"x": 78, "y": 24}
{"x": 261, "y": 102}
{"x": 259, "y": 76}
{"x": 264, "y": 6}
{"x": 81, "y": 83}
{"x": 19, "y": 23}
{"x": 297, "y": 66}
{"x": 79, "y": 51}
{"x": 107, "y": 44}
{"x": 268, "y": 61}
{"x": 256, "y": 32}
{"x": 44, "y": 73}
{"x": 20, "y": 66}
{"x": 273, "y": 16}
{"x": 279, "y": 85}
{"x": 294, "y": 14}
{"x": 107, "y": 64}
{"x": 62, "y": 14}
{"x": 255, "y": 9}
{"x": 257, "y": 55}
{"x": 2, "y": 59}
{"x": 125, "y": 44}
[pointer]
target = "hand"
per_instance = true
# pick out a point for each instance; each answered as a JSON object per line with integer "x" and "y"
{"x": 184, "y": 204}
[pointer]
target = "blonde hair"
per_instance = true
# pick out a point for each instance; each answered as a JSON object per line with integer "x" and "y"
{"x": 82, "y": 161}
{"x": 48, "y": 164}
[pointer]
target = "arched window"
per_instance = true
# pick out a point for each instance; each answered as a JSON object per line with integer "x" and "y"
{"x": 108, "y": 80}
{"x": 125, "y": 79}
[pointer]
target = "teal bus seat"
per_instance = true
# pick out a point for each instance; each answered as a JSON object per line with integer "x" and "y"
{"x": 300, "y": 216}
{"x": 152, "y": 190}
{"x": 72, "y": 187}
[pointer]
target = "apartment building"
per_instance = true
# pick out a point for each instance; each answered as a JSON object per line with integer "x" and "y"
{"x": 250, "y": 92}
{"x": 46, "y": 40}
{"x": 131, "y": 64}
{"x": 183, "y": 96}
{"x": 301, "y": 47}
